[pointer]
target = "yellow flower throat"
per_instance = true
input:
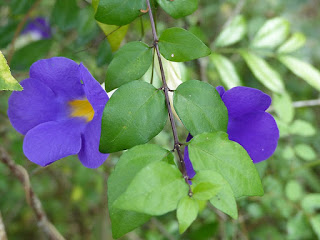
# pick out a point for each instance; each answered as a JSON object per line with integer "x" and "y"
{"x": 81, "y": 108}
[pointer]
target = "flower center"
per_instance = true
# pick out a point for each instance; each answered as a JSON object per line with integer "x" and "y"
{"x": 82, "y": 108}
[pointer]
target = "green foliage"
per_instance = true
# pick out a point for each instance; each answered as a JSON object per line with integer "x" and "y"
{"x": 179, "y": 45}
{"x": 119, "y": 13}
{"x": 65, "y": 14}
{"x": 7, "y": 81}
{"x": 282, "y": 104}
{"x": 213, "y": 151}
{"x": 135, "y": 113}
{"x": 233, "y": 33}
{"x": 187, "y": 212}
{"x": 205, "y": 191}
{"x": 200, "y": 107}
{"x": 179, "y": 8}
{"x": 130, "y": 63}
{"x": 296, "y": 41}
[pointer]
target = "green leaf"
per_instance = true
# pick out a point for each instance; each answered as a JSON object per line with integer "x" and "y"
{"x": 179, "y": 45}
{"x": 263, "y": 72}
{"x": 115, "y": 35}
{"x": 298, "y": 227}
{"x": 65, "y": 14}
{"x": 104, "y": 53}
{"x": 305, "y": 152}
{"x": 213, "y": 151}
{"x": 155, "y": 190}
{"x": 119, "y": 13}
{"x": 200, "y": 108}
{"x": 7, "y": 81}
{"x": 135, "y": 113}
{"x": 179, "y": 8}
{"x": 187, "y": 212}
{"x": 7, "y": 33}
{"x": 130, "y": 63}
{"x": 226, "y": 70}
{"x": 311, "y": 202}
{"x": 296, "y": 41}
{"x": 87, "y": 28}
{"x": 315, "y": 223}
{"x": 294, "y": 191}
{"x": 272, "y": 33}
{"x": 282, "y": 105}
{"x": 129, "y": 164}
{"x": 205, "y": 190}
{"x": 303, "y": 70}
{"x": 27, "y": 55}
{"x": 224, "y": 199}
{"x": 302, "y": 128}
{"x": 233, "y": 33}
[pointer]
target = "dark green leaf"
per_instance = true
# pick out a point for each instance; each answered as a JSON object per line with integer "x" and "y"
{"x": 104, "y": 53}
{"x": 130, "y": 163}
{"x": 179, "y": 8}
{"x": 155, "y": 190}
{"x": 224, "y": 199}
{"x": 135, "y": 113}
{"x": 20, "y": 6}
{"x": 65, "y": 14}
{"x": 179, "y": 45}
{"x": 130, "y": 63}
{"x": 7, "y": 81}
{"x": 7, "y": 33}
{"x": 187, "y": 212}
{"x": 200, "y": 108}
{"x": 87, "y": 27}
{"x": 119, "y": 13}
{"x": 24, "y": 57}
{"x": 213, "y": 151}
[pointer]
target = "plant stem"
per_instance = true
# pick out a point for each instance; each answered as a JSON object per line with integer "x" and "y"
{"x": 165, "y": 88}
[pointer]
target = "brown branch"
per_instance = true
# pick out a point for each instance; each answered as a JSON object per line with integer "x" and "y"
{"x": 22, "y": 175}
{"x": 19, "y": 29}
{"x": 166, "y": 94}
{"x": 3, "y": 235}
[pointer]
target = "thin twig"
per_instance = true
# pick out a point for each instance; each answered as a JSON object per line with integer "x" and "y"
{"x": 237, "y": 10}
{"x": 21, "y": 173}
{"x": 166, "y": 93}
{"x": 3, "y": 235}
{"x": 19, "y": 29}
{"x": 307, "y": 103}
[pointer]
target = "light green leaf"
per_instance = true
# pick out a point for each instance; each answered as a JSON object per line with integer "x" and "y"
{"x": 187, "y": 212}
{"x": 315, "y": 223}
{"x": 179, "y": 45}
{"x": 115, "y": 35}
{"x": 274, "y": 32}
{"x": 305, "y": 152}
{"x": 298, "y": 227}
{"x": 233, "y": 33}
{"x": 179, "y": 8}
{"x": 130, "y": 63}
{"x": 226, "y": 70}
{"x": 264, "y": 72}
{"x": 303, "y": 70}
{"x": 214, "y": 151}
{"x": 296, "y": 41}
{"x": 135, "y": 113}
{"x": 115, "y": 12}
{"x": 200, "y": 108}
{"x": 224, "y": 199}
{"x": 205, "y": 190}
{"x": 129, "y": 164}
{"x": 7, "y": 81}
{"x": 311, "y": 202}
{"x": 155, "y": 190}
{"x": 282, "y": 105}
{"x": 302, "y": 128}
{"x": 294, "y": 191}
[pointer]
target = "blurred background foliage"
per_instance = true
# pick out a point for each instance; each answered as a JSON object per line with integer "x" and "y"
{"x": 75, "y": 197}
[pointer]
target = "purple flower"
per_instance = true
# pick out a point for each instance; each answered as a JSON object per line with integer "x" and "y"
{"x": 39, "y": 28}
{"x": 59, "y": 111}
{"x": 249, "y": 125}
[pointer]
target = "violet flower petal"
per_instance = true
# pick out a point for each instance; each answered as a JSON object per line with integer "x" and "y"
{"x": 242, "y": 100}
{"x": 220, "y": 90}
{"x": 60, "y": 74}
{"x": 256, "y": 132}
{"x": 51, "y": 141}
{"x": 34, "y": 105}
{"x": 189, "y": 168}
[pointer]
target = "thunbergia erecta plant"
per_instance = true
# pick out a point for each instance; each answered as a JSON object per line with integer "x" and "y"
{"x": 60, "y": 112}
{"x": 38, "y": 28}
